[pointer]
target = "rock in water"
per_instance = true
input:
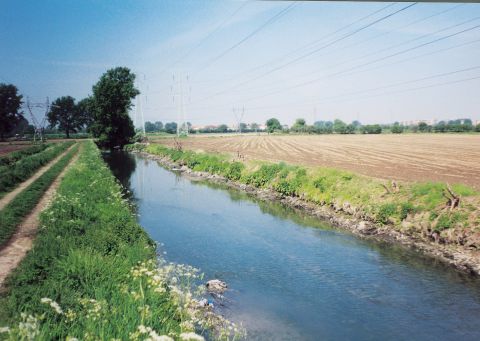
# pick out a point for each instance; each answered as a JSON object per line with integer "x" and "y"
{"x": 216, "y": 286}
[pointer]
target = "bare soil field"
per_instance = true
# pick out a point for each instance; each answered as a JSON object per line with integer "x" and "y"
{"x": 449, "y": 158}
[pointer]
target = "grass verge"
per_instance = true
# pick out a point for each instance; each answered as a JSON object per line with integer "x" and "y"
{"x": 93, "y": 273}
{"x": 13, "y": 214}
{"x": 417, "y": 209}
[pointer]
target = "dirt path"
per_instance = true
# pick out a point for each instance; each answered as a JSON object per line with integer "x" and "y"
{"x": 11, "y": 195}
{"x": 22, "y": 240}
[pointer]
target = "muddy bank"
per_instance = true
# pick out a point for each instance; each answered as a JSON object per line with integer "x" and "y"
{"x": 464, "y": 260}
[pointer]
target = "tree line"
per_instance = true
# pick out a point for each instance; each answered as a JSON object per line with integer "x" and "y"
{"x": 104, "y": 113}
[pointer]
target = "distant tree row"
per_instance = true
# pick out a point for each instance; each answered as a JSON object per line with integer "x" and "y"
{"x": 104, "y": 114}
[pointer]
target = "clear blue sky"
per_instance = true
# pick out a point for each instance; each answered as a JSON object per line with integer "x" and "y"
{"x": 56, "y": 48}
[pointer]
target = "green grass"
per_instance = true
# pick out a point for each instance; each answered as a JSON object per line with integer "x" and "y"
{"x": 93, "y": 260}
{"x": 17, "y": 172}
{"x": 12, "y": 214}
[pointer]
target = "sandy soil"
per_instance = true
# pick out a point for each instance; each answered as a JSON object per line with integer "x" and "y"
{"x": 453, "y": 158}
{"x": 22, "y": 240}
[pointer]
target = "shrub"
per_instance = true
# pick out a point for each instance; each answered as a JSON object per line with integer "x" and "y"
{"x": 386, "y": 211}
{"x": 234, "y": 171}
{"x": 264, "y": 175}
{"x": 405, "y": 209}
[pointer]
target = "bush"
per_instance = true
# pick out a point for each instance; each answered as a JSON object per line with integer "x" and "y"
{"x": 234, "y": 171}
{"x": 406, "y": 208}
{"x": 386, "y": 211}
{"x": 264, "y": 175}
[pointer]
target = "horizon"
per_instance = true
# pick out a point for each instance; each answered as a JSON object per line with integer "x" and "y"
{"x": 419, "y": 63}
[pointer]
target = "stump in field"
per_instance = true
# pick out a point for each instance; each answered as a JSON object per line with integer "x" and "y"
{"x": 453, "y": 200}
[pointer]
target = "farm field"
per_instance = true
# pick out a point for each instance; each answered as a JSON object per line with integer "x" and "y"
{"x": 412, "y": 157}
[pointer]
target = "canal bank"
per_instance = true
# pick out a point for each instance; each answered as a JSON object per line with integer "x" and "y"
{"x": 345, "y": 216}
{"x": 292, "y": 276}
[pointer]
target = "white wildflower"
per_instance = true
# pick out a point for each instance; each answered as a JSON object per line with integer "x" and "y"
{"x": 191, "y": 337}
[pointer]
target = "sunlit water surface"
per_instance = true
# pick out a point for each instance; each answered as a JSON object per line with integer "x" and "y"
{"x": 292, "y": 277}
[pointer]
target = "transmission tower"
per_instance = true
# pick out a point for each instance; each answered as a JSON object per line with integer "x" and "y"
{"x": 139, "y": 101}
{"x": 39, "y": 126}
{"x": 239, "y": 114}
{"x": 180, "y": 81}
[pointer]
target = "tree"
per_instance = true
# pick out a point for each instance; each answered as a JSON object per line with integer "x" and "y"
{"x": 299, "y": 125}
{"x": 10, "y": 102}
{"x": 423, "y": 127}
{"x": 477, "y": 128}
{"x": 86, "y": 111}
{"x": 371, "y": 129}
{"x": 273, "y": 125}
{"x": 339, "y": 127}
{"x": 112, "y": 98}
{"x": 397, "y": 128}
{"x": 171, "y": 127}
{"x": 150, "y": 127}
{"x": 159, "y": 126}
{"x": 222, "y": 128}
{"x": 64, "y": 115}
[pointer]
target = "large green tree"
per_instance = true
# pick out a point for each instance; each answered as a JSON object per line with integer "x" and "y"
{"x": 112, "y": 98}
{"x": 273, "y": 124}
{"x": 64, "y": 114}
{"x": 10, "y": 103}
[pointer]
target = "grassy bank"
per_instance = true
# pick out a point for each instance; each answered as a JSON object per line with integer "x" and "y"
{"x": 27, "y": 164}
{"x": 13, "y": 214}
{"x": 93, "y": 273}
{"x": 416, "y": 209}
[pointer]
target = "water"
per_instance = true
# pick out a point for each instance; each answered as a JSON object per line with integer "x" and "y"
{"x": 293, "y": 277}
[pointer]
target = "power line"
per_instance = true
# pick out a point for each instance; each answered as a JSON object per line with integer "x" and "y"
{"x": 367, "y": 63}
{"x": 312, "y": 43}
{"x": 250, "y": 35}
{"x": 312, "y": 52}
{"x": 207, "y": 37}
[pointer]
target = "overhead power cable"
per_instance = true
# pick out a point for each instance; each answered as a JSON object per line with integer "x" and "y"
{"x": 208, "y": 36}
{"x": 270, "y": 21}
{"x": 312, "y": 52}
{"x": 365, "y": 64}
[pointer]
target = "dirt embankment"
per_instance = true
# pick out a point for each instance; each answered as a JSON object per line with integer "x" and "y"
{"x": 453, "y": 158}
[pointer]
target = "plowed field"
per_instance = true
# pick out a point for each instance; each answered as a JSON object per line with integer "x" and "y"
{"x": 412, "y": 157}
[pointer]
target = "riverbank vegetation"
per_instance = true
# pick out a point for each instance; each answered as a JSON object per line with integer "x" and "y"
{"x": 426, "y": 210}
{"x": 93, "y": 272}
{"x": 25, "y": 164}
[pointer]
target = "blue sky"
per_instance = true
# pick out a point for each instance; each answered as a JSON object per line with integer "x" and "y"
{"x": 392, "y": 70}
